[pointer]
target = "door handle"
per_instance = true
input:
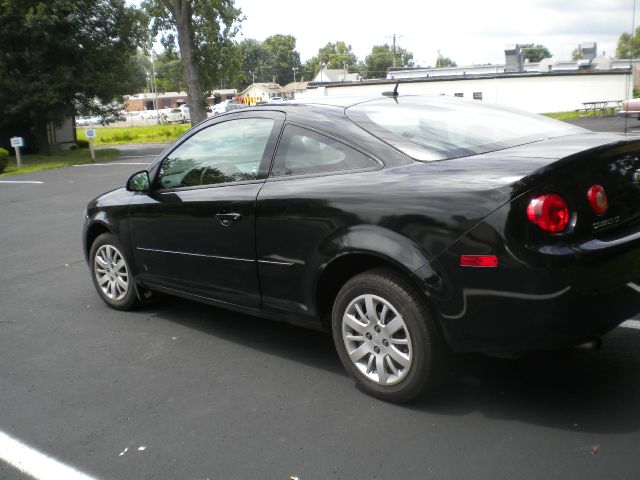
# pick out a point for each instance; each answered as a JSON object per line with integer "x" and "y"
{"x": 226, "y": 218}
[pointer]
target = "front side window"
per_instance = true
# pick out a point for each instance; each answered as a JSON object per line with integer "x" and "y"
{"x": 226, "y": 152}
{"x": 304, "y": 152}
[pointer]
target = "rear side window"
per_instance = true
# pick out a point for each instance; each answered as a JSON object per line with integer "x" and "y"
{"x": 437, "y": 128}
{"x": 303, "y": 152}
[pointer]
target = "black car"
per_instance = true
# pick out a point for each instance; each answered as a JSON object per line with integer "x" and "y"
{"x": 408, "y": 226}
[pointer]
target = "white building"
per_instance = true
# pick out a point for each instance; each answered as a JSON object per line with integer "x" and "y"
{"x": 260, "y": 92}
{"x": 335, "y": 75}
{"x": 535, "y": 92}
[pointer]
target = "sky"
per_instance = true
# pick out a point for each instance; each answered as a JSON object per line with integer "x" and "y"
{"x": 467, "y": 31}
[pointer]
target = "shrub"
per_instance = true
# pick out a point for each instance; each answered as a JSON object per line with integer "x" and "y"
{"x": 4, "y": 159}
{"x": 82, "y": 143}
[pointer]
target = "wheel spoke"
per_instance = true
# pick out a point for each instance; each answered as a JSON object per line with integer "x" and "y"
{"x": 380, "y": 370}
{"x": 399, "y": 341}
{"x": 104, "y": 279}
{"x": 371, "y": 308}
{"x": 361, "y": 314}
{"x": 359, "y": 352}
{"x": 383, "y": 313}
{"x": 353, "y": 323}
{"x": 355, "y": 338}
{"x": 103, "y": 263}
{"x": 121, "y": 283}
{"x": 394, "y": 325}
{"x": 372, "y": 358}
{"x": 399, "y": 357}
{"x": 392, "y": 365}
{"x": 118, "y": 266}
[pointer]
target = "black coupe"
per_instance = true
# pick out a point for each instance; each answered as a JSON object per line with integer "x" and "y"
{"x": 408, "y": 226}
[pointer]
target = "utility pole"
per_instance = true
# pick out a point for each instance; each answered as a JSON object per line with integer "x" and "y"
{"x": 394, "y": 49}
{"x": 294, "y": 74}
{"x": 155, "y": 90}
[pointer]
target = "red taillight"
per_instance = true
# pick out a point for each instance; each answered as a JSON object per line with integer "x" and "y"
{"x": 478, "y": 260}
{"x": 550, "y": 212}
{"x": 597, "y": 199}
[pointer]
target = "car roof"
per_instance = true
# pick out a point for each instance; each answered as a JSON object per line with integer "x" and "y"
{"x": 343, "y": 101}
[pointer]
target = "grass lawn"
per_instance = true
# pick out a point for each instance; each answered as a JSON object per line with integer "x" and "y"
{"x": 35, "y": 163}
{"x": 145, "y": 134}
{"x": 562, "y": 115}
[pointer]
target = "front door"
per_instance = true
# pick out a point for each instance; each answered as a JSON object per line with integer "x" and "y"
{"x": 195, "y": 231}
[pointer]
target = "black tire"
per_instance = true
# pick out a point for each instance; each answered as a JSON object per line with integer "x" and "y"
{"x": 424, "y": 351}
{"x": 115, "y": 295}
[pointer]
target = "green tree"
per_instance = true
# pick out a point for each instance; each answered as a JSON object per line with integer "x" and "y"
{"x": 167, "y": 69}
{"x": 283, "y": 57}
{"x": 205, "y": 37}
{"x": 629, "y": 45}
{"x": 577, "y": 54}
{"x": 382, "y": 57}
{"x": 274, "y": 58}
{"x": 142, "y": 70}
{"x": 60, "y": 57}
{"x": 444, "y": 62}
{"x": 255, "y": 61}
{"x": 535, "y": 52}
{"x": 333, "y": 55}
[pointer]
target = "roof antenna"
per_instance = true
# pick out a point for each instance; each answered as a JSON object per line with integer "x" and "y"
{"x": 393, "y": 94}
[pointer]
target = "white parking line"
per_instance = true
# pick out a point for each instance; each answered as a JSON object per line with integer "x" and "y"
{"x": 631, "y": 324}
{"x": 108, "y": 164}
{"x": 36, "y": 464}
{"x": 20, "y": 181}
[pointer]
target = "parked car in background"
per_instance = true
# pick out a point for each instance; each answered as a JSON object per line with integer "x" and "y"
{"x": 220, "y": 108}
{"x": 235, "y": 105}
{"x": 100, "y": 119}
{"x": 86, "y": 121}
{"x": 405, "y": 226}
{"x": 186, "y": 116}
{"x": 148, "y": 114}
{"x": 630, "y": 108}
{"x": 176, "y": 115}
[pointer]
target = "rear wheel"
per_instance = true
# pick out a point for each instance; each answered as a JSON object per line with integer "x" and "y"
{"x": 386, "y": 337}
{"x": 111, "y": 273}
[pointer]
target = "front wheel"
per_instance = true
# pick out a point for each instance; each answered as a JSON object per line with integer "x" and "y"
{"x": 386, "y": 337}
{"x": 111, "y": 273}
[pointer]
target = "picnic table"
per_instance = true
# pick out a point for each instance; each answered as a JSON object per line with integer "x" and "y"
{"x": 600, "y": 106}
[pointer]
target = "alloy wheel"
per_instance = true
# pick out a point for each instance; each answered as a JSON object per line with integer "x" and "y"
{"x": 111, "y": 272}
{"x": 377, "y": 339}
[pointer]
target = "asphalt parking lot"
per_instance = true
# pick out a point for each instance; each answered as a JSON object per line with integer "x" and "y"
{"x": 615, "y": 124}
{"x": 180, "y": 390}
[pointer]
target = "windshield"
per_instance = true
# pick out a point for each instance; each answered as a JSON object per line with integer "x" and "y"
{"x": 437, "y": 128}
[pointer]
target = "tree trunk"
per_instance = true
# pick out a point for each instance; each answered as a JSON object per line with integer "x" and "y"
{"x": 182, "y": 12}
{"x": 42, "y": 138}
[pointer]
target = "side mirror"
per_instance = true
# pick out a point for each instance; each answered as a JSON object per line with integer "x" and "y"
{"x": 139, "y": 182}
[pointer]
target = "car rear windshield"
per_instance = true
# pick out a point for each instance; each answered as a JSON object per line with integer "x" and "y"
{"x": 439, "y": 127}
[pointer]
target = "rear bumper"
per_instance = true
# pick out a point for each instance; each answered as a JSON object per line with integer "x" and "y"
{"x": 508, "y": 321}
{"x": 564, "y": 300}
